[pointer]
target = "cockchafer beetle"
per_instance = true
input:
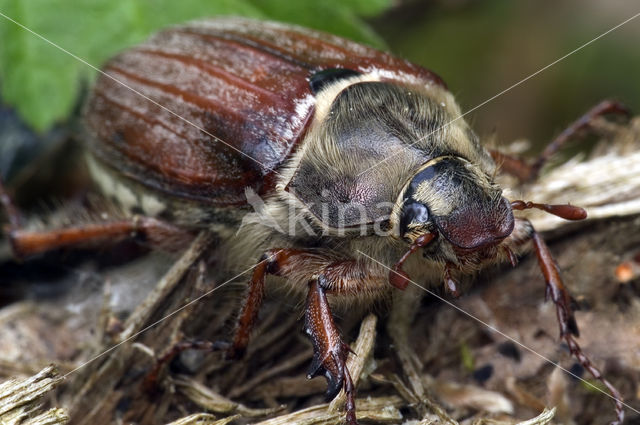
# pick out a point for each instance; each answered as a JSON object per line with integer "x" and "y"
{"x": 353, "y": 151}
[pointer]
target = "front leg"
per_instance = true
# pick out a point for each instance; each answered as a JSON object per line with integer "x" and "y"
{"x": 325, "y": 273}
{"x": 346, "y": 277}
{"x": 272, "y": 262}
{"x": 329, "y": 351}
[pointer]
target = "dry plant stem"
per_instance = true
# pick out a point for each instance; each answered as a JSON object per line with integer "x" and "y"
{"x": 101, "y": 377}
{"x": 431, "y": 420}
{"x": 167, "y": 284}
{"x": 287, "y": 387}
{"x": 270, "y": 333}
{"x": 425, "y": 402}
{"x": 526, "y": 172}
{"x": 542, "y": 419}
{"x": 269, "y": 373}
{"x": 151, "y": 380}
{"x": 211, "y": 401}
{"x": 20, "y": 398}
{"x": 203, "y": 419}
{"x": 405, "y": 306}
{"x": 356, "y": 361}
{"x": 438, "y": 410}
{"x": 383, "y": 410}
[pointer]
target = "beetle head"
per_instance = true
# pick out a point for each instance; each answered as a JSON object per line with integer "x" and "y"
{"x": 451, "y": 197}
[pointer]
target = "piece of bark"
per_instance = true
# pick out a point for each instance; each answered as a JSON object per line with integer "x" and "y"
{"x": 22, "y": 399}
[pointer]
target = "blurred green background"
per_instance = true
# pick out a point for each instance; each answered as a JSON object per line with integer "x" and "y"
{"x": 480, "y": 47}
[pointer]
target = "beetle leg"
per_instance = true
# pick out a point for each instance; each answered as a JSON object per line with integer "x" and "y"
{"x": 338, "y": 276}
{"x": 249, "y": 312}
{"x": 159, "y": 233}
{"x": 346, "y": 276}
{"x": 529, "y": 171}
{"x": 555, "y": 287}
{"x": 566, "y": 320}
{"x": 272, "y": 262}
{"x": 329, "y": 351}
{"x": 25, "y": 243}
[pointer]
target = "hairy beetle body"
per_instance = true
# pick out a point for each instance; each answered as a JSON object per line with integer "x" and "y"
{"x": 317, "y": 161}
{"x": 308, "y": 134}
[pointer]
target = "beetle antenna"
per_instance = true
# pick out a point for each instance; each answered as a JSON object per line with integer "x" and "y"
{"x": 566, "y": 211}
{"x": 398, "y": 277}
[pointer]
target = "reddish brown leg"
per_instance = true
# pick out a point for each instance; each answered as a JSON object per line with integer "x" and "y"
{"x": 26, "y": 243}
{"x": 271, "y": 263}
{"x": 342, "y": 276}
{"x": 566, "y": 320}
{"x": 527, "y": 172}
{"x": 346, "y": 276}
{"x": 329, "y": 352}
{"x": 158, "y": 233}
{"x": 249, "y": 312}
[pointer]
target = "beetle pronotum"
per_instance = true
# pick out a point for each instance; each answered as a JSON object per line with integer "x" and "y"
{"x": 352, "y": 150}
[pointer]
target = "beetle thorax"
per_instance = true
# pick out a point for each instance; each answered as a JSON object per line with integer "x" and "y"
{"x": 368, "y": 139}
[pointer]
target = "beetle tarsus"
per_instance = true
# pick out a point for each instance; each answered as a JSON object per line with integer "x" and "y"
{"x": 605, "y": 107}
{"x": 329, "y": 351}
{"x": 577, "y": 352}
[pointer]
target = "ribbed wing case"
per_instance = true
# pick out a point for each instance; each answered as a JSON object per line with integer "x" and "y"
{"x": 245, "y": 82}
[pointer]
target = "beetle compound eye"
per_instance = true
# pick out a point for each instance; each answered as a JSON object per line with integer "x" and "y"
{"x": 414, "y": 216}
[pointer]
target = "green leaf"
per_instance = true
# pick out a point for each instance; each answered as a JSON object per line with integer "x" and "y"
{"x": 334, "y": 16}
{"x": 42, "y": 82}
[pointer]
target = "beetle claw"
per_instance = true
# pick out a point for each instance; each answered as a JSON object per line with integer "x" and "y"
{"x": 329, "y": 352}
